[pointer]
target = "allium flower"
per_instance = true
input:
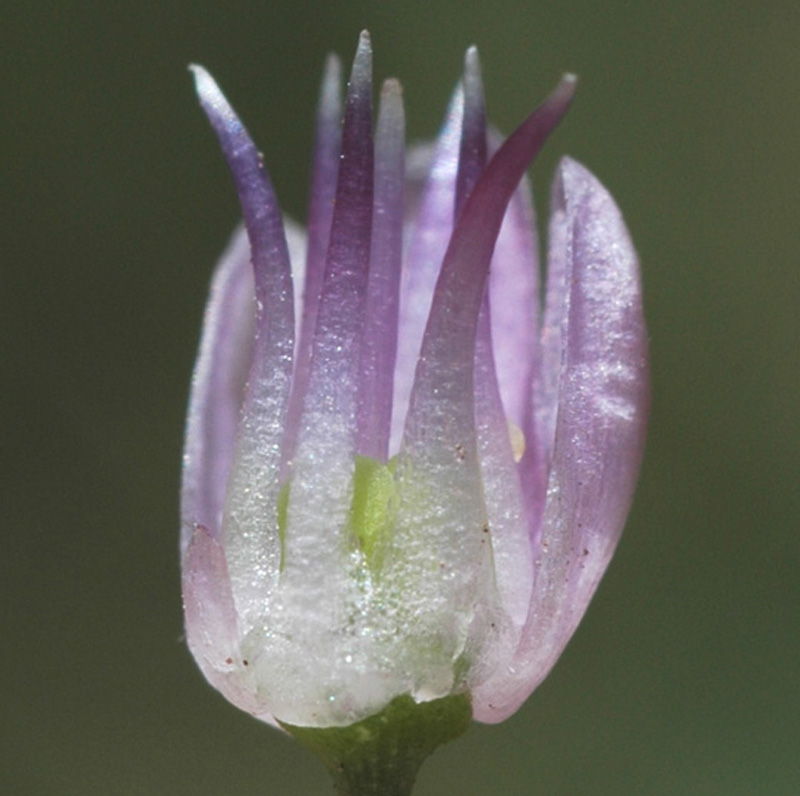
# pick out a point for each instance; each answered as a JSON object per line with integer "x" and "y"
{"x": 403, "y": 479}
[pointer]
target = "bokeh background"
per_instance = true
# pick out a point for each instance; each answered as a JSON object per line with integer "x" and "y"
{"x": 684, "y": 677}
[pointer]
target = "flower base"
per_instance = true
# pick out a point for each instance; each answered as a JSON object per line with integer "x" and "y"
{"x": 381, "y": 755}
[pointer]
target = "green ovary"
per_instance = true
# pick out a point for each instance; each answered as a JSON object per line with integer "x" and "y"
{"x": 372, "y": 508}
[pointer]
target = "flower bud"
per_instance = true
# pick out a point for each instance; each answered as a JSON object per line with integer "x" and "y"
{"x": 404, "y": 472}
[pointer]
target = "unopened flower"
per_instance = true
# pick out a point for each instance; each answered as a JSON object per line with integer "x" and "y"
{"x": 403, "y": 477}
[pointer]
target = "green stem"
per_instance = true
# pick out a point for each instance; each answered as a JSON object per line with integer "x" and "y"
{"x": 381, "y": 755}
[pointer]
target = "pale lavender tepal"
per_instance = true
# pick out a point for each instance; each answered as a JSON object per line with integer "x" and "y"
{"x": 404, "y": 473}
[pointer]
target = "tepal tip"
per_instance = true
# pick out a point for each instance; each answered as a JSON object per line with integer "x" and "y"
{"x": 362, "y": 63}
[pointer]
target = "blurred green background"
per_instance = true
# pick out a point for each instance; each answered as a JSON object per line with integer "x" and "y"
{"x": 684, "y": 677}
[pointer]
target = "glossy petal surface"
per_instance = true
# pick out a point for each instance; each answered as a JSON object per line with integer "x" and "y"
{"x": 600, "y": 428}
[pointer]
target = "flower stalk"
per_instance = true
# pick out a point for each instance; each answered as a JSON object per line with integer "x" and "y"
{"x": 381, "y": 755}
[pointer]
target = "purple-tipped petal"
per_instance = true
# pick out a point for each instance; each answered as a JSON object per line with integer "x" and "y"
{"x": 507, "y": 527}
{"x": 603, "y": 398}
{"x": 325, "y": 170}
{"x": 440, "y": 442}
{"x": 443, "y": 382}
{"x": 250, "y": 525}
{"x": 272, "y": 269}
{"x": 427, "y": 244}
{"x": 327, "y": 431}
{"x": 379, "y": 348}
{"x": 226, "y": 349}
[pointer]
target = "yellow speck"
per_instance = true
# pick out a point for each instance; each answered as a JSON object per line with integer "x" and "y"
{"x": 517, "y": 440}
